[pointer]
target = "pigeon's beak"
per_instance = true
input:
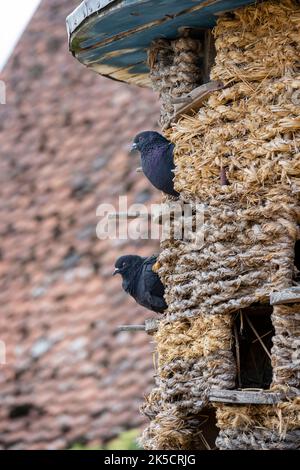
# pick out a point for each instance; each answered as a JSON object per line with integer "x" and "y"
{"x": 134, "y": 147}
{"x": 116, "y": 271}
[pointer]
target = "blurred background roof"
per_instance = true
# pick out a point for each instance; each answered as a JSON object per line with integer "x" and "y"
{"x": 65, "y": 131}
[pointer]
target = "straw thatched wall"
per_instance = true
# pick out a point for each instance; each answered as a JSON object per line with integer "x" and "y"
{"x": 250, "y": 130}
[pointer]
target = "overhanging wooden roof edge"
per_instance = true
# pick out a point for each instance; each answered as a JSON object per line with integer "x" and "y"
{"x": 112, "y": 36}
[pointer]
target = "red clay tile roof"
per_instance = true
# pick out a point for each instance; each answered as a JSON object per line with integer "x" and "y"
{"x": 70, "y": 377}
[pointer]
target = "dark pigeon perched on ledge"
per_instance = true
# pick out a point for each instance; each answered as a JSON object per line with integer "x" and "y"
{"x": 157, "y": 160}
{"x": 141, "y": 282}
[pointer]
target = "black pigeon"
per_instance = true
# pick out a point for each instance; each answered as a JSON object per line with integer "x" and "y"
{"x": 157, "y": 160}
{"x": 141, "y": 282}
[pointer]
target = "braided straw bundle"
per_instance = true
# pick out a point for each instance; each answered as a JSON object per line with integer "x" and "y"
{"x": 259, "y": 427}
{"x": 286, "y": 346}
{"x": 251, "y": 131}
{"x": 270, "y": 427}
{"x": 174, "y": 70}
{"x": 252, "y": 127}
{"x": 246, "y": 253}
{"x": 172, "y": 430}
{"x": 193, "y": 356}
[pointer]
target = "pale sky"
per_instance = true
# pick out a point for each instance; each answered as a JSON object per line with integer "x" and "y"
{"x": 14, "y": 17}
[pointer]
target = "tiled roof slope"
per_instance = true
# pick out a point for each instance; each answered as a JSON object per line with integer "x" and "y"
{"x": 70, "y": 377}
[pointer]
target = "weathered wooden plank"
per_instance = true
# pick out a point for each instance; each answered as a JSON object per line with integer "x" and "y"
{"x": 287, "y": 296}
{"x": 245, "y": 396}
{"x": 150, "y": 326}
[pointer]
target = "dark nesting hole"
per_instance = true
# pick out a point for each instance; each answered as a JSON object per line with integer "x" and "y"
{"x": 255, "y": 369}
{"x": 252, "y": 327}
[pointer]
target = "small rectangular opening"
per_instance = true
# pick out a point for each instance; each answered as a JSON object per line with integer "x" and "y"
{"x": 253, "y": 333}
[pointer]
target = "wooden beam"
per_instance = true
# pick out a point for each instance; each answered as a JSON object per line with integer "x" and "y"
{"x": 240, "y": 397}
{"x": 287, "y": 296}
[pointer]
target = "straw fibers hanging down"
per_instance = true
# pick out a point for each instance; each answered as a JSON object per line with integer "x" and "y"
{"x": 251, "y": 131}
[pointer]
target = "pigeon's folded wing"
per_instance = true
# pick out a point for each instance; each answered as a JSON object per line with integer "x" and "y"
{"x": 157, "y": 304}
{"x": 153, "y": 286}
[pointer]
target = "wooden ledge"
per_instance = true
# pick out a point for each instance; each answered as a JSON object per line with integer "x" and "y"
{"x": 240, "y": 397}
{"x": 287, "y": 296}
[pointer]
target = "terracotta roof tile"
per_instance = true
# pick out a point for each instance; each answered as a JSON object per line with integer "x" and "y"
{"x": 70, "y": 376}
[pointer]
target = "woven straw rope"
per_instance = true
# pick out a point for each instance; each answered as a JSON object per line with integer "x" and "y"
{"x": 174, "y": 70}
{"x": 250, "y": 129}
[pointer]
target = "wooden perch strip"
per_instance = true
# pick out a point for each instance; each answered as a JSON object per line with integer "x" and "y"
{"x": 287, "y": 296}
{"x": 193, "y": 100}
{"x": 245, "y": 396}
{"x": 197, "y": 95}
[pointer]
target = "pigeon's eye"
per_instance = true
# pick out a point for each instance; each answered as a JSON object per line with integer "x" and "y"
{"x": 124, "y": 264}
